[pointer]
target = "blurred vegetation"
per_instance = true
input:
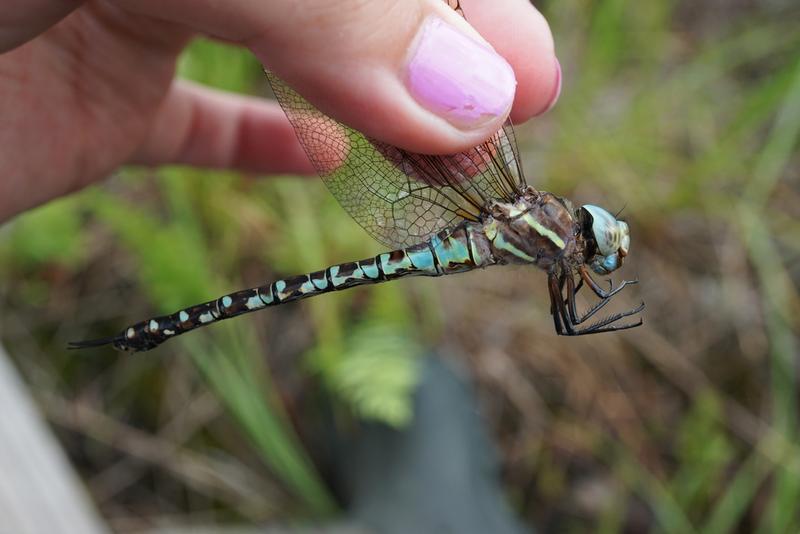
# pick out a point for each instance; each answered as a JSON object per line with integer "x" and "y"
{"x": 686, "y": 114}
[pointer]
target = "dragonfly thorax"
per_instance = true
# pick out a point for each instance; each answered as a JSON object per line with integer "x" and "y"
{"x": 537, "y": 229}
{"x": 607, "y": 239}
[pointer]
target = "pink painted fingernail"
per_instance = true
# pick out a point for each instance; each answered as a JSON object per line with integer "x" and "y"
{"x": 556, "y": 90}
{"x": 458, "y": 78}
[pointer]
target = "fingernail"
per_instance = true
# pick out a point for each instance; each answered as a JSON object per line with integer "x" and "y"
{"x": 556, "y": 90}
{"x": 457, "y": 78}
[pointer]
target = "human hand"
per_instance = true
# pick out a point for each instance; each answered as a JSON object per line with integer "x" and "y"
{"x": 88, "y": 86}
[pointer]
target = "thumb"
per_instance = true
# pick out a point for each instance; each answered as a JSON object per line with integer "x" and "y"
{"x": 414, "y": 73}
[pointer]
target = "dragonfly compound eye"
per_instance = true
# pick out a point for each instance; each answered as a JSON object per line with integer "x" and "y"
{"x": 612, "y": 238}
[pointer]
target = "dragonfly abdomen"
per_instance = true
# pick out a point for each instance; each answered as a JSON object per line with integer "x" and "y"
{"x": 448, "y": 252}
{"x": 461, "y": 249}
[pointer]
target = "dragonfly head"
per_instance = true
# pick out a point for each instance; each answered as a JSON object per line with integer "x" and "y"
{"x": 607, "y": 239}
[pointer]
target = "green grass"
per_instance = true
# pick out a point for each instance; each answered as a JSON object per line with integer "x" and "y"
{"x": 686, "y": 114}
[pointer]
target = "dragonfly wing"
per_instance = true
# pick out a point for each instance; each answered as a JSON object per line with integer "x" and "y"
{"x": 400, "y": 197}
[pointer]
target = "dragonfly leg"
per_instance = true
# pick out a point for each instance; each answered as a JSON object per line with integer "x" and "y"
{"x": 576, "y": 318}
{"x": 561, "y": 281}
{"x": 579, "y": 286}
{"x": 558, "y": 307}
{"x": 599, "y": 291}
{"x": 566, "y": 318}
{"x": 606, "y": 324}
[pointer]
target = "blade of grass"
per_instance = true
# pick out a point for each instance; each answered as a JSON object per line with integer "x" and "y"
{"x": 670, "y": 517}
{"x": 778, "y": 289}
{"x": 703, "y": 452}
{"x": 270, "y": 431}
{"x": 176, "y": 269}
{"x": 738, "y": 496}
{"x": 625, "y": 463}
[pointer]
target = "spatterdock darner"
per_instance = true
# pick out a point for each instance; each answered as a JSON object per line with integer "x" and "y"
{"x": 442, "y": 215}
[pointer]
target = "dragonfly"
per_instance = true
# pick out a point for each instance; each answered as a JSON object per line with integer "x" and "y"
{"x": 439, "y": 215}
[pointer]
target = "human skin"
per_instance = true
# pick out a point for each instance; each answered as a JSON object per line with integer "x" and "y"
{"x": 86, "y": 87}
